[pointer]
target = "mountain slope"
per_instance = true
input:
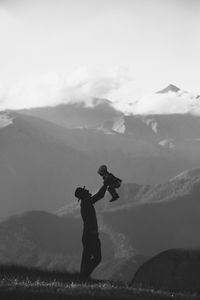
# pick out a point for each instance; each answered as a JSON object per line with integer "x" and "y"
{"x": 101, "y": 113}
{"x": 44, "y": 240}
{"x": 176, "y": 270}
{"x": 159, "y": 217}
{"x": 167, "y": 217}
{"x": 46, "y": 152}
{"x": 167, "y": 144}
{"x": 37, "y": 169}
{"x": 168, "y": 136}
{"x": 41, "y": 239}
{"x": 42, "y": 162}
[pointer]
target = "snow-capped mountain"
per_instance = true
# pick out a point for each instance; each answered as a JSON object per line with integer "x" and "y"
{"x": 170, "y": 88}
{"x": 170, "y": 100}
{"x": 46, "y": 152}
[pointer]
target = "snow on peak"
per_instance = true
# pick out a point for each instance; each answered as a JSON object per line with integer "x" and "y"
{"x": 170, "y": 100}
{"x": 119, "y": 125}
{"x": 5, "y": 120}
{"x": 152, "y": 123}
{"x": 167, "y": 143}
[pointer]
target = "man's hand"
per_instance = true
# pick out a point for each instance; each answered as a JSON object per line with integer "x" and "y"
{"x": 100, "y": 194}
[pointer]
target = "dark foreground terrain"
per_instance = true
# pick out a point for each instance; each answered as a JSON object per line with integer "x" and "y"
{"x": 22, "y": 283}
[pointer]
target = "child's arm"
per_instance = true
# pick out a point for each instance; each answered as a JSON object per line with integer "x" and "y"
{"x": 118, "y": 179}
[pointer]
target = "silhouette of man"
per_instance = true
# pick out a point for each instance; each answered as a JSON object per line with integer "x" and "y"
{"x": 91, "y": 256}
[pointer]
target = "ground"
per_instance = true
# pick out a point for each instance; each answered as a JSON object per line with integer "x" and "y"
{"x": 19, "y": 283}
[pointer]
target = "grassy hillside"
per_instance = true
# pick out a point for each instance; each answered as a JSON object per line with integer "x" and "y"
{"x": 174, "y": 269}
{"x": 19, "y": 283}
{"x": 41, "y": 239}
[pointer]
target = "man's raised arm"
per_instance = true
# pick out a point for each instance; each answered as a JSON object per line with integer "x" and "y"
{"x": 100, "y": 194}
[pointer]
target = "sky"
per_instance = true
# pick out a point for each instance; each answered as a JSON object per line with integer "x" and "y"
{"x": 57, "y": 49}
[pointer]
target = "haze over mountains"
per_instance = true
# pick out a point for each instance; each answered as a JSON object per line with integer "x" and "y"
{"x": 46, "y": 152}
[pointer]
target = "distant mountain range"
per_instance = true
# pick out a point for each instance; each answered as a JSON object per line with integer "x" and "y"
{"x": 46, "y": 152}
{"x": 153, "y": 218}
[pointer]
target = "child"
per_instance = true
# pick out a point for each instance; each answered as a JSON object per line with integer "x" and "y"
{"x": 112, "y": 182}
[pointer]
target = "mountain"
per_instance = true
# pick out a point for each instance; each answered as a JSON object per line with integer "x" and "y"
{"x": 41, "y": 239}
{"x": 154, "y": 219}
{"x": 44, "y": 240}
{"x": 5, "y": 120}
{"x": 177, "y": 270}
{"x": 166, "y": 216}
{"x": 169, "y": 88}
{"x": 147, "y": 220}
{"x": 38, "y": 170}
{"x": 170, "y": 136}
{"x": 42, "y": 162}
{"x": 99, "y": 115}
{"x": 177, "y": 134}
{"x": 46, "y": 153}
{"x": 187, "y": 175}
{"x": 172, "y": 141}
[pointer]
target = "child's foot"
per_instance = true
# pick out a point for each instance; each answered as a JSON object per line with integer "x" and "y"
{"x": 114, "y": 198}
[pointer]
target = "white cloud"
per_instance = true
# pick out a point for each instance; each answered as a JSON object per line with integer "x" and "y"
{"x": 115, "y": 84}
{"x": 167, "y": 103}
{"x": 80, "y": 86}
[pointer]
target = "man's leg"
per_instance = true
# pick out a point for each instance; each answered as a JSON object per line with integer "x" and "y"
{"x": 86, "y": 257}
{"x": 96, "y": 253}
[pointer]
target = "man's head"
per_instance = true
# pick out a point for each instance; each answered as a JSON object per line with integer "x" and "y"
{"x": 82, "y": 193}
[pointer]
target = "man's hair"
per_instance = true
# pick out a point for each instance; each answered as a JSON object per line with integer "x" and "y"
{"x": 79, "y": 192}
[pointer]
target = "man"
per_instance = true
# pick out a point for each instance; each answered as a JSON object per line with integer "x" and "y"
{"x": 91, "y": 256}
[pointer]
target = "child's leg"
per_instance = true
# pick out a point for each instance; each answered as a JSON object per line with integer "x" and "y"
{"x": 113, "y": 193}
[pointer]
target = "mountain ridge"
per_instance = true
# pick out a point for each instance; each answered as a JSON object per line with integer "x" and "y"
{"x": 42, "y": 162}
{"x": 169, "y": 88}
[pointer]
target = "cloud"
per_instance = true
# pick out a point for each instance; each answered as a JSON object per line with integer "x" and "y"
{"x": 80, "y": 86}
{"x": 169, "y": 103}
{"x": 83, "y": 85}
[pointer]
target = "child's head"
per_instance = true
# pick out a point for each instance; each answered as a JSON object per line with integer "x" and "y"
{"x": 102, "y": 170}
